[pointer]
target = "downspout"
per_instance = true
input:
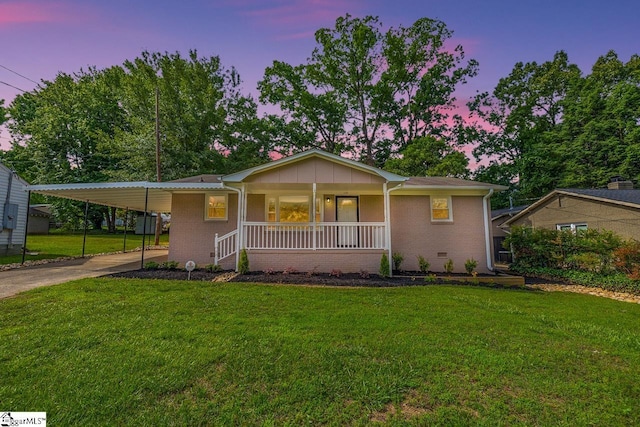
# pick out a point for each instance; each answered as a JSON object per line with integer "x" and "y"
{"x": 238, "y": 222}
{"x": 387, "y": 221}
{"x": 487, "y": 229}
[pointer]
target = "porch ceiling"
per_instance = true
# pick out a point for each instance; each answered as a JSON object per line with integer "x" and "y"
{"x": 124, "y": 195}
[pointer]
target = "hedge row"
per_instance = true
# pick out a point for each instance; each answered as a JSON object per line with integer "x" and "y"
{"x": 589, "y": 257}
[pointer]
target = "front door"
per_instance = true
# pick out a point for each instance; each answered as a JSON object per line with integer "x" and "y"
{"x": 347, "y": 211}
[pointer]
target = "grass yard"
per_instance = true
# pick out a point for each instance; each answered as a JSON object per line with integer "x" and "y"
{"x": 56, "y": 245}
{"x": 143, "y": 352}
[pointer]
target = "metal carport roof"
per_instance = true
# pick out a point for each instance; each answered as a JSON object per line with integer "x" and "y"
{"x": 125, "y": 195}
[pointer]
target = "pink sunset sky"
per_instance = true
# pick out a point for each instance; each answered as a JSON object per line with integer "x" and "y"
{"x": 44, "y": 37}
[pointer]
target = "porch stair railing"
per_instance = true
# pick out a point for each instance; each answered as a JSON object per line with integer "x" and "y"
{"x": 225, "y": 246}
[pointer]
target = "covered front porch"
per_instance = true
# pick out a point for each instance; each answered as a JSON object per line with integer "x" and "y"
{"x": 312, "y": 218}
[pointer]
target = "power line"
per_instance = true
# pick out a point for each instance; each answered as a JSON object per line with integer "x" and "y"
{"x": 15, "y": 87}
{"x": 18, "y": 74}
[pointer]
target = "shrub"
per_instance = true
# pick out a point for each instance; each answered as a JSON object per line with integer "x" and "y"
{"x": 169, "y": 265}
{"x": 448, "y": 266}
{"x": 364, "y": 274}
{"x": 213, "y": 268}
{"x": 397, "y": 259}
{"x": 151, "y": 265}
{"x": 269, "y": 271}
{"x": 431, "y": 278}
{"x": 243, "y": 264}
{"x": 470, "y": 265}
{"x": 563, "y": 249}
{"x": 384, "y": 266}
{"x": 423, "y": 264}
{"x": 626, "y": 258}
{"x": 587, "y": 261}
{"x": 289, "y": 270}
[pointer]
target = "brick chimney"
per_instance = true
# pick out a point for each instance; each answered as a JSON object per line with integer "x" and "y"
{"x": 619, "y": 183}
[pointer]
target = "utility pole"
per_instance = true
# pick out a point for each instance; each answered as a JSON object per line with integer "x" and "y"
{"x": 158, "y": 175}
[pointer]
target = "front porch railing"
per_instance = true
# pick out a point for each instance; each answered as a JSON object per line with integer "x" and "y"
{"x": 311, "y": 236}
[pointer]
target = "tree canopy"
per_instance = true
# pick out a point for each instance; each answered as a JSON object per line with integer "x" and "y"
{"x": 548, "y": 126}
{"x": 385, "y": 97}
{"x": 369, "y": 93}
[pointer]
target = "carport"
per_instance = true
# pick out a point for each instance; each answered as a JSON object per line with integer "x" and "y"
{"x": 142, "y": 196}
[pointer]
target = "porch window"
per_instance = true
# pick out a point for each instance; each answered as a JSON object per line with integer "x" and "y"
{"x": 288, "y": 209}
{"x": 216, "y": 207}
{"x": 441, "y": 208}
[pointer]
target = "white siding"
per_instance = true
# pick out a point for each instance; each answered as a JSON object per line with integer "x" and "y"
{"x": 18, "y": 196}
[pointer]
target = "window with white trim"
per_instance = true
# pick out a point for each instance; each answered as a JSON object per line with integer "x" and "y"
{"x": 288, "y": 208}
{"x": 216, "y": 207}
{"x": 441, "y": 209}
{"x": 581, "y": 226}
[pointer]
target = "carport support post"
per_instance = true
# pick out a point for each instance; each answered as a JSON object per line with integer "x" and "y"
{"x": 124, "y": 243}
{"x": 144, "y": 226}
{"x": 26, "y": 227}
{"x": 86, "y": 214}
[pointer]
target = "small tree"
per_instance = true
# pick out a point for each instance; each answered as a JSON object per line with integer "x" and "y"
{"x": 243, "y": 265}
{"x": 384, "y": 266}
{"x": 470, "y": 265}
{"x": 397, "y": 259}
{"x": 423, "y": 264}
{"x": 448, "y": 266}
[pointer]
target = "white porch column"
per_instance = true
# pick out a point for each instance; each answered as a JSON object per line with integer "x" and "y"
{"x": 387, "y": 225}
{"x": 313, "y": 215}
{"x": 240, "y": 223}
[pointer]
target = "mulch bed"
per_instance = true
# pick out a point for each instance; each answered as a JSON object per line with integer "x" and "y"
{"x": 323, "y": 279}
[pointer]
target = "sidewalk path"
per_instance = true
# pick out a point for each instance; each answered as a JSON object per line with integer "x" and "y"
{"x": 25, "y": 278}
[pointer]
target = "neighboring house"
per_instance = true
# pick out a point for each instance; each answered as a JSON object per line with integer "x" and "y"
{"x": 498, "y": 218}
{"x": 312, "y": 211}
{"x": 616, "y": 209}
{"x": 13, "y": 211}
{"x": 39, "y": 219}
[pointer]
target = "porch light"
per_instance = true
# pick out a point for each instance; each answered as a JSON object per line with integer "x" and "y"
{"x": 328, "y": 200}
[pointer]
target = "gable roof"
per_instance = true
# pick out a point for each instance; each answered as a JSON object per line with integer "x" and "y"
{"x": 628, "y": 198}
{"x": 242, "y": 175}
{"x": 631, "y": 197}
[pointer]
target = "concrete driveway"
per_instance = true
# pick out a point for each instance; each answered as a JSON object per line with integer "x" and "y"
{"x": 21, "y": 279}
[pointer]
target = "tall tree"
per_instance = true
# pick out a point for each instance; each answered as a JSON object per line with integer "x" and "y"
{"x": 428, "y": 156}
{"x": 522, "y": 118}
{"x": 549, "y": 126}
{"x": 367, "y": 92}
{"x": 61, "y": 129}
{"x": 601, "y": 129}
{"x": 96, "y": 126}
{"x": 201, "y": 112}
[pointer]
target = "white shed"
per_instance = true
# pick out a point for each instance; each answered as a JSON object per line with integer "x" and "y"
{"x": 13, "y": 211}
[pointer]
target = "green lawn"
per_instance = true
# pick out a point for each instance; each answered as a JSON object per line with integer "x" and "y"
{"x": 57, "y": 245}
{"x": 143, "y": 352}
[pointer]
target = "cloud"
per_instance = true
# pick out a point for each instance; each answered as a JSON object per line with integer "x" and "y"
{"x": 28, "y": 12}
{"x": 295, "y": 19}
